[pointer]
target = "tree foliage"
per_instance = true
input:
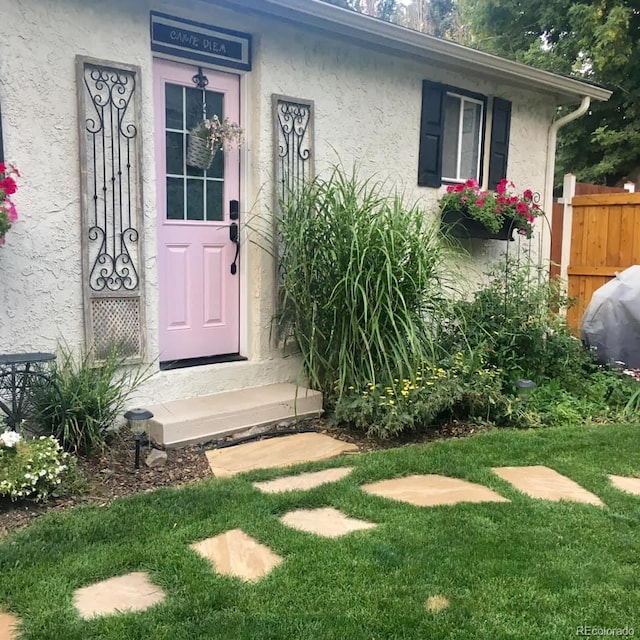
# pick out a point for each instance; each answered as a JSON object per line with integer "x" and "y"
{"x": 592, "y": 40}
{"x": 384, "y": 9}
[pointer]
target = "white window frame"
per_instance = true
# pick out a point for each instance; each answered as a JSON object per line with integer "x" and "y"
{"x": 464, "y": 99}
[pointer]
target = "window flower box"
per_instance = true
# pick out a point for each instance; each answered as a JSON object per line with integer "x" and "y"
{"x": 459, "y": 224}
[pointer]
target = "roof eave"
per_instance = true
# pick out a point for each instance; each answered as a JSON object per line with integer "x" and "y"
{"x": 366, "y": 29}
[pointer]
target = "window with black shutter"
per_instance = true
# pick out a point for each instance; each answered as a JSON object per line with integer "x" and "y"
{"x": 452, "y": 141}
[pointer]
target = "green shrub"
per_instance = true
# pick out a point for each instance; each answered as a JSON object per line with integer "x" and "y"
{"x": 94, "y": 395}
{"x": 363, "y": 283}
{"x": 465, "y": 388}
{"x": 514, "y": 320}
{"x": 30, "y": 468}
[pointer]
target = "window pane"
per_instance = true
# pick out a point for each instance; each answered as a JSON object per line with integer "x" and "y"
{"x": 173, "y": 98}
{"x": 471, "y": 123}
{"x": 450, "y": 137}
{"x": 215, "y": 103}
{"x": 215, "y": 204}
{"x": 193, "y": 107}
{"x": 175, "y": 142}
{"x": 216, "y": 170}
{"x": 195, "y": 199}
{"x": 194, "y": 171}
{"x": 175, "y": 199}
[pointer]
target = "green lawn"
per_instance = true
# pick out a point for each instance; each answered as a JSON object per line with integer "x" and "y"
{"x": 524, "y": 569}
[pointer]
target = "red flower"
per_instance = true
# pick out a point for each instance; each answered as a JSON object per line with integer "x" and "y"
{"x": 8, "y": 185}
{"x": 522, "y": 209}
{"x": 3, "y": 167}
{"x": 479, "y": 202}
{"x": 502, "y": 186}
{"x": 527, "y": 194}
{"x": 471, "y": 184}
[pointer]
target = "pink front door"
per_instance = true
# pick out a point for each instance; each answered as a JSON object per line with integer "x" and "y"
{"x": 198, "y": 286}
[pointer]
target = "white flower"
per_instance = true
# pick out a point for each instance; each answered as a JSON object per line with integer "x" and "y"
{"x": 10, "y": 438}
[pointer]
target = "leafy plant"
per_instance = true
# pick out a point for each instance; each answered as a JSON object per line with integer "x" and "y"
{"x": 94, "y": 395}
{"x": 463, "y": 387}
{"x": 514, "y": 320}
{"x": 30, "y": 468}
{"x": 363, "y": 282}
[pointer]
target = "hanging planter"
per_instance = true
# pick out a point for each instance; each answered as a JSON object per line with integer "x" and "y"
{"x": 458, "y": 224}
{"x": 209, "y": 136}
{"x": 469, "y": 212}
{"x": 199, "y": 155}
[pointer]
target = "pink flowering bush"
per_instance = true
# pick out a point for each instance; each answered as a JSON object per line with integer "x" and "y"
{"x": 8, "y": 186}
{"x": 493, "y": 209}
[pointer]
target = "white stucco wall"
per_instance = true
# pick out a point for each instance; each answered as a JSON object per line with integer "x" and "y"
{"x": 367, "y": 110}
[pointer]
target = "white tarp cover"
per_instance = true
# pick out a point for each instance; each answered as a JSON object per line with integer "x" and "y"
{"x": 611, "y": 323}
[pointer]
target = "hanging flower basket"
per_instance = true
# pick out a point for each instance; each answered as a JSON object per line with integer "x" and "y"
{"x": 199, "y": 155}
{"x": 209, "y": 136}
{"x": 458, "y": 224}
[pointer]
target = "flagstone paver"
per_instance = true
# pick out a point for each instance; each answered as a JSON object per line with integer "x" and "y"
{"x": 432, "y": 490}
{"x": 8, "y": 626}
{"x": 130, "y": 592}
{"x": 630, "y": 485}
{"x": 327, "y": 522}
{"x": 541, "y": 482}
{"x": 234, "y": 553}
{"x": 276, "y": 452}
{"x": 303, "y": 481}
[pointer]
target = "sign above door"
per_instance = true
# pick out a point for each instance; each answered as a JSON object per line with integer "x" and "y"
{"x": 182, "y": 38}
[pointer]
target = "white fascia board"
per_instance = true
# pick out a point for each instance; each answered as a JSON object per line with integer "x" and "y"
{"x": 392, "y": 37}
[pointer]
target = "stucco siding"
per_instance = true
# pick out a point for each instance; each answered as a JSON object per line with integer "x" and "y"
{"x": 367, "y": 106}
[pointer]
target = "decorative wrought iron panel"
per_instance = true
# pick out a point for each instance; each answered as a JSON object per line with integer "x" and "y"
{"x": 111, "y": 187}
{"x": 293, "y": 135}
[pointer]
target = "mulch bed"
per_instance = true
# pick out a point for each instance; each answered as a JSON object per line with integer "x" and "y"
{"x": 111, "y": 474}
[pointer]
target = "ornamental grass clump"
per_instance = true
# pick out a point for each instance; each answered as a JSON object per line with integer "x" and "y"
{"x": 362, "y": 282}
{"x": 493, "y": 209}
{"x": 94, "y": 394}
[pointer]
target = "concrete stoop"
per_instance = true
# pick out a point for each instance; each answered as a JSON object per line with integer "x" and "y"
{"x": 183, "y": 422}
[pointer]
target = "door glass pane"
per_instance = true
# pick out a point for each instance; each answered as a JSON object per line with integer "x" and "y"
{"x": 173, "y": 106}
{"x": 194, "y": 171}
{"x": 214, "y": 200}
{"x": 193, "y": 107}
{"x": 216, "y": 170}
{"x": 215, "y": 102}
{"x": 175, "y": 153}
{"x": 195, "y": 199}
{"x": 450, "y": 137}
{"x": 471, "y": 122}
{"x": 175, "y": 199}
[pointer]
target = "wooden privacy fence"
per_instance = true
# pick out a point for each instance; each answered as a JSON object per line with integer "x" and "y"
{"x": 605, "y": 239}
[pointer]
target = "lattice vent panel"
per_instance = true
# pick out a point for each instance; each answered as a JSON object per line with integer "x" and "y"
{"x": 116, "y": 321}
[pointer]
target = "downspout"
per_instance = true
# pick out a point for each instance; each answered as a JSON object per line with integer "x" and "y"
{"x": 544, "y": 247}
{"x": 551, "y": 152}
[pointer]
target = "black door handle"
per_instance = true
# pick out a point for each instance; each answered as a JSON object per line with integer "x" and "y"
{"x": 234, "y": 235}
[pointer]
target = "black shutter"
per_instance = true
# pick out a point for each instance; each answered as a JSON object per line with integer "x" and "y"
{"x": 499, "y": 151}
{"x": 431, "y": 129}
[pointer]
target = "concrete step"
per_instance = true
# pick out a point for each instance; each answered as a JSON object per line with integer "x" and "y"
{"x": 183, "y": 422}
